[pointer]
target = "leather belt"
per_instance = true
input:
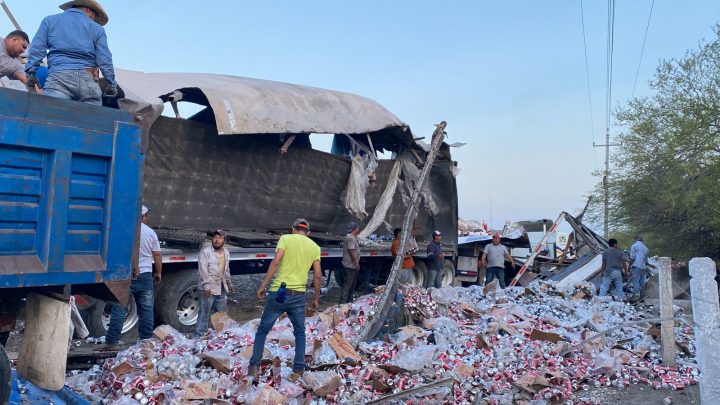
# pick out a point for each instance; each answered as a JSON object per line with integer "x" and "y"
{"x": 294, "y": 292}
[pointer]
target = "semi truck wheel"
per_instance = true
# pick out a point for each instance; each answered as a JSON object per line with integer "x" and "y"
{"x": 5, "y": 377}
{"x": 177, "y": 302}
{"x": 448, "y": 275}
{"x": 419, "y": 273}
{"x": 97, "y": 317}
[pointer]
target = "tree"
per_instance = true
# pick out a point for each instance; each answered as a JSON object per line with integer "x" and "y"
{"x": 665, "y": 181}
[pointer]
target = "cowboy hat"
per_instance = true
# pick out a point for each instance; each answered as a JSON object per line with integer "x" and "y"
{"x": 101, "y": 16}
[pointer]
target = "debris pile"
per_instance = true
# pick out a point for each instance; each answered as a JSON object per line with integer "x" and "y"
{"x": 461, "y": 345}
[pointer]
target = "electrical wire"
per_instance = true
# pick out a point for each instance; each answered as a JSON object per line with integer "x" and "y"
{"x": 642, "y": 51}
{"x": 587, "y": 76}
{"x": 609, "y": 66}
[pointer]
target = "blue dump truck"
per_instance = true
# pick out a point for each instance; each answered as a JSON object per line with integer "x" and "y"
{"x": 69, "y": 198}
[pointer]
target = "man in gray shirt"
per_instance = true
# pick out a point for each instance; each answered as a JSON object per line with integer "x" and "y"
{"x": 12, "y": 46}
{"x": 638, "y": 266}
{"x": 350, "y": 262}
{"x": 614, "y": 265}
{"x": 435, "y": 261}
{"x": 494, "y": 257}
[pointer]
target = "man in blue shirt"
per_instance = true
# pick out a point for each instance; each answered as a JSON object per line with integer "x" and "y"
{"x": 638, "y": 266}
{"x": 75, "y": 44}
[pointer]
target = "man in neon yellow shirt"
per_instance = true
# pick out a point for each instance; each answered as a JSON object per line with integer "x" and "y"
{"x": 294, "y": 255}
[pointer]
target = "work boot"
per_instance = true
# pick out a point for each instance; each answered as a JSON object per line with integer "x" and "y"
{"x": 253, "y": 371}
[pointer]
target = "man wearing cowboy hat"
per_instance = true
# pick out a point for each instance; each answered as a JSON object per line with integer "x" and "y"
{"x": 75, "y": 44}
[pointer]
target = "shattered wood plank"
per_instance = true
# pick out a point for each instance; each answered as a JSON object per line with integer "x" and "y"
{"x": 417, "y": 391}
{"x": 372, "y": 326}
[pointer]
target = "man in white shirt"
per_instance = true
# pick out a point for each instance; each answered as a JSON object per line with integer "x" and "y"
{"x": 141, "y": 288}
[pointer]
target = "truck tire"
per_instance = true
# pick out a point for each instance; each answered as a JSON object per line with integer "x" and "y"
{"x": 5, "y": 377}
{"x": 97, "y": 317}
{"x": 177, "y": 302}
{"x": 448, "y": 275}
{"x": 419, "y": 273}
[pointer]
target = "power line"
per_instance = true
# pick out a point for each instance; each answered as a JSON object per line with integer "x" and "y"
{"x": 587, "y": 76}
{"x": 608, "y": 105}
{"x": 642, "y": 51}
{"x": 609, "y": 66}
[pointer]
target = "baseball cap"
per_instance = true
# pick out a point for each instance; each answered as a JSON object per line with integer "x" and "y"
{"x": 351, "y": 225}
{"x": 219, "y": 232}
{"x": 301, "y": 223}
{"x": 436, "y": 233}
{"x": 144, "y": 210}
{"x": 496, "y": 235}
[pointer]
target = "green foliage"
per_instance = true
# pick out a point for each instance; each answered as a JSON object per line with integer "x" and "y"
{"x": 665, "y": 181}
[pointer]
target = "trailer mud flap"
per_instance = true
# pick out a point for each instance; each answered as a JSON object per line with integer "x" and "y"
{"x": 120, "y": 289}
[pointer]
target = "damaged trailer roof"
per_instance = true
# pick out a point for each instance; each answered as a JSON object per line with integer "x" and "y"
{"x": 252, "y": 106}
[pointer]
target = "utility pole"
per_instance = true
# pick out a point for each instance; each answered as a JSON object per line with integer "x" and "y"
{"x": 606, "y": 181}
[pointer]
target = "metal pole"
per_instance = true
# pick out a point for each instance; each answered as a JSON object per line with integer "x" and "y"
{"x": 10, "y": 15}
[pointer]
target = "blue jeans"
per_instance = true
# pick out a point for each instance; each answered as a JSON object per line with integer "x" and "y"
{"x": 141, "y": 289}
{"x": 637, "y": 279}
{"x": 494, "y": 272}
{"x": 208, "y": 306}
{"x": 434, "y": 279}
{"x": 294, "y": 307}
{"x": 615, "y": 276}
{"x": 77, "y": 85}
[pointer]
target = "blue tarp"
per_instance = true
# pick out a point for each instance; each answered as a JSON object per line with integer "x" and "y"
{"x": 37, "y": 395}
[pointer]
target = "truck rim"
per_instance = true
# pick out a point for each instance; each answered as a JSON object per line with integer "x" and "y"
{"x": 130, "y": 320}
{"x": 418, "y": 277}
{"x": 447, "y": 276}
{"x": 189, "y": 306}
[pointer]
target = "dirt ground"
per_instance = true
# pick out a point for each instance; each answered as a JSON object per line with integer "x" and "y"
{"x": 643, "y": 395}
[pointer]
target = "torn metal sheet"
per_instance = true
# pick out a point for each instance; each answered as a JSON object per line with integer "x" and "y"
{"x": 253, "y": 106}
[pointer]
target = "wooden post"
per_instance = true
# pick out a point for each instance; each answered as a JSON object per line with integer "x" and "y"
{"x": 667, "y": 332}
{"x": 373, "y": 325}
{"x": 706, "y": 315}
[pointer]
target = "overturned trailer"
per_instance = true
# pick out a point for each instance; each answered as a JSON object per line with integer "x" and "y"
{"x": 245, "y": 163}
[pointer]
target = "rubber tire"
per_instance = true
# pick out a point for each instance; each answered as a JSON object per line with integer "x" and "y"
{"x": 168, "y": 297}
{"x": 448, "y": 274}
{"x": 420, "y": 273}
{"x": 5, "y": 377}
{"x": 93, "y": 315}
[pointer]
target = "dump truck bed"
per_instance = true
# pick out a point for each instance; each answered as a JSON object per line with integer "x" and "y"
{"x": 70, "y": 178}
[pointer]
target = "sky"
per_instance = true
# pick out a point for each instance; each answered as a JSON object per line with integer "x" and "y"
{"x": 509, "y": 77}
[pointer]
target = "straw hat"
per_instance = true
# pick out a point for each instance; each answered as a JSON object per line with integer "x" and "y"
{"x": 101, "y": 16}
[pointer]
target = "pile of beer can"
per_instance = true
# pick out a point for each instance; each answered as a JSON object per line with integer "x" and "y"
{"x": 464, "y": 344}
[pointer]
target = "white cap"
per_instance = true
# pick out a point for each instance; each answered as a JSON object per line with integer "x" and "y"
{"x": 144, "y": 210}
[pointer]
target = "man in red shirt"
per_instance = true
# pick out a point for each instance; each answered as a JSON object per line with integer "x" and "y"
{"x": 408, "y": 263}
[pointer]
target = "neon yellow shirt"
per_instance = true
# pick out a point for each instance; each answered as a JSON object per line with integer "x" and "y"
{"x": 300, "y": 253}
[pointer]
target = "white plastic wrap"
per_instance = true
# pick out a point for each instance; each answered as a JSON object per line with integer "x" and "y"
{"x": 361, "y": 171}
